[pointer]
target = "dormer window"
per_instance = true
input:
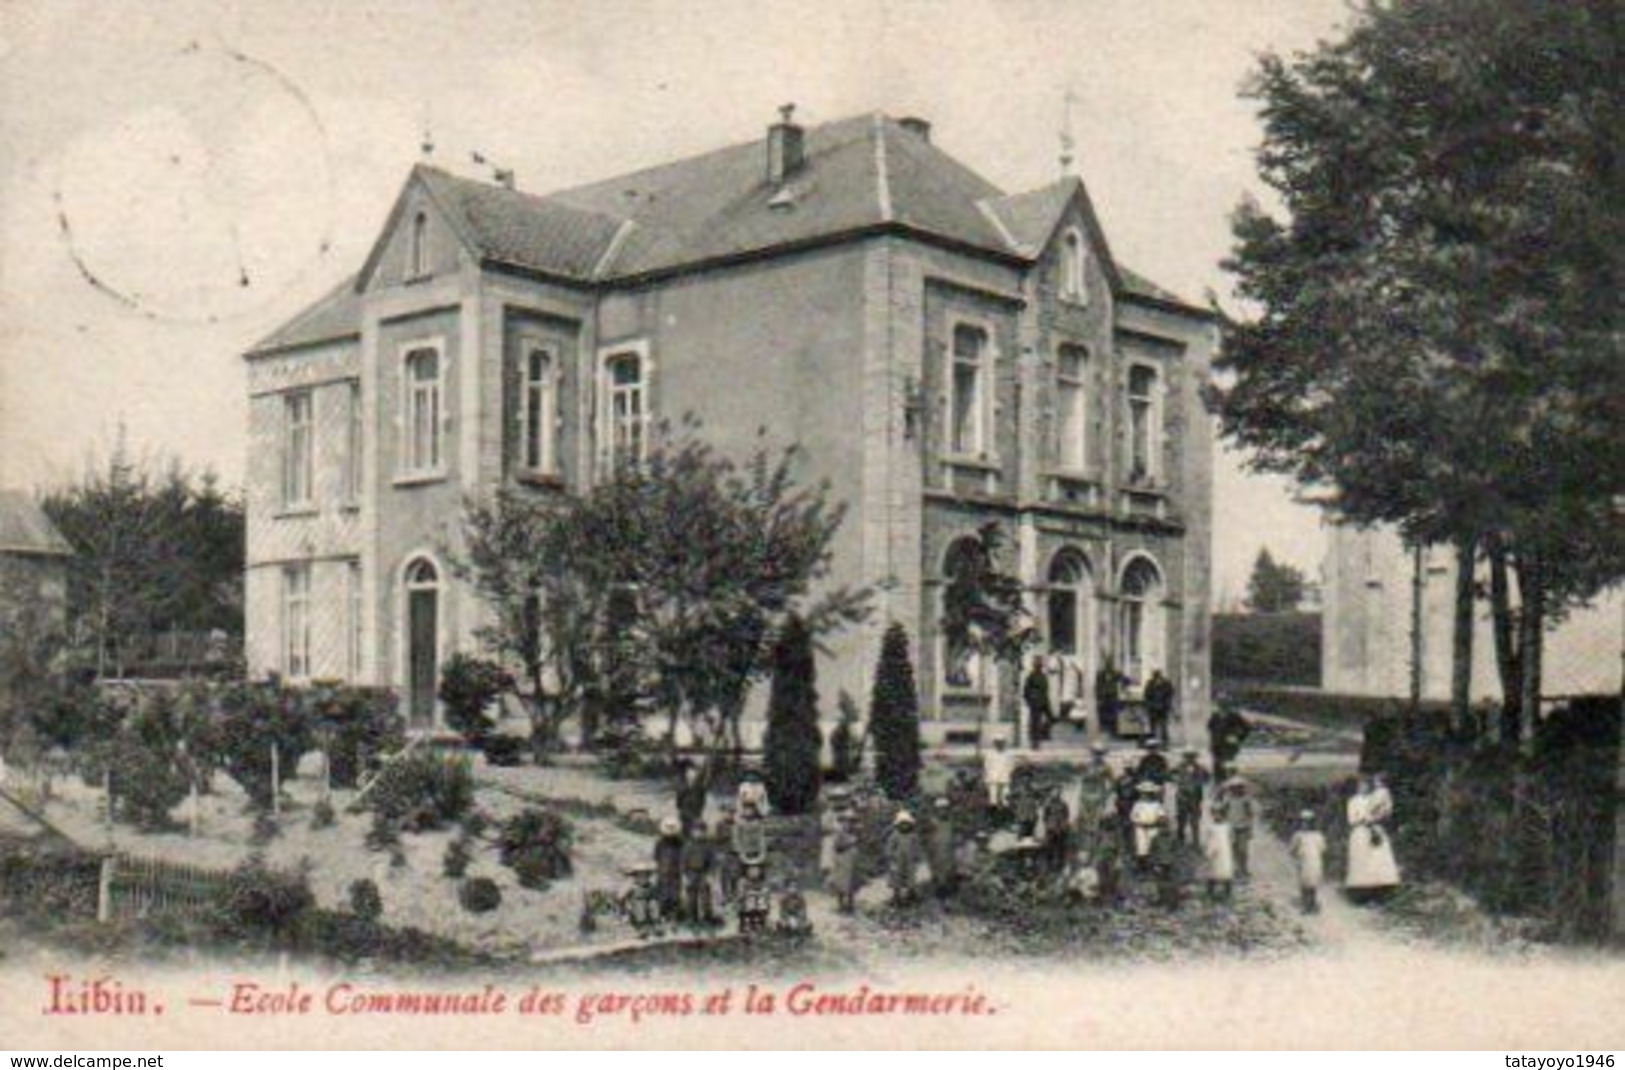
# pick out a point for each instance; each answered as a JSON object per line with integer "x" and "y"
{"x": 1074, "y": 264}
{"x": 418, "y": 254}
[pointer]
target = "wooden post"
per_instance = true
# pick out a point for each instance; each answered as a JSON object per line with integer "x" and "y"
{"x": 107, "y": 799}
{"x": 104, "y": 888}
{"x": 1418, "y": 578}
{"x": 192, "y": 808}
{"x": 276, "y": 781}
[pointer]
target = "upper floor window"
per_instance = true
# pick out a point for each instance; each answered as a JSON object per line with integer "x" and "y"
{"x": 296, "y": 621}
{"x": 538, "y": 410}
{"x": 418, "y": 253}
{"x": 353, "y": 445}
{"x": 968, "y": 391}
{"x": 1072, "y": 408}
{"x": 1074, "y": 262}
{"x": 422, "y": 447}
{"x": 298, "y": 448}
{"x": 1144, "y": 424}
{"x": 626, "y": 401}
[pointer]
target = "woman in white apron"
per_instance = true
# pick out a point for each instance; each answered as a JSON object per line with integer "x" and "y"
{"x": 1372, "y": 870}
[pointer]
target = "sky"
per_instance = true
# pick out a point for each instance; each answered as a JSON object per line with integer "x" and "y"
{"x": 178, "y": 178}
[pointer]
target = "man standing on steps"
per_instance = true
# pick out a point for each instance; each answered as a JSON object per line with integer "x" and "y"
{"x": 1159, "y": 704}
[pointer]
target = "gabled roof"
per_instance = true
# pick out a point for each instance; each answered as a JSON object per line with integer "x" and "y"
{"x": 25, "y": 529}
{"x": 334, "y": 316}
{"x": 865, "y": 173}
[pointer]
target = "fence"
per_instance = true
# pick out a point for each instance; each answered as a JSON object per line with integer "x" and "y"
{"x": 134, "y": 887}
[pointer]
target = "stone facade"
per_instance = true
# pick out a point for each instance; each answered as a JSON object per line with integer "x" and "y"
{"x": 1369, "y": 595}
{"x": 843, "y": 345}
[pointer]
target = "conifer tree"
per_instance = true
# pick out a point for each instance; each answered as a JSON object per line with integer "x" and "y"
{"x": 794, "y": 744}
{"x": 894, "y": 717}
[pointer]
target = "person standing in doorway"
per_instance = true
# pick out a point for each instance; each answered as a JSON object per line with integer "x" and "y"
{"x": 1040, "y": 712}
{"x": 1159, "y": 704}
{"x": 1108, "y": 696}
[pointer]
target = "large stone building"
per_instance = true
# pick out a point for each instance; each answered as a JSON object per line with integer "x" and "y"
{"x": 1370, "y": 591}
{"x": 946, "y": 354}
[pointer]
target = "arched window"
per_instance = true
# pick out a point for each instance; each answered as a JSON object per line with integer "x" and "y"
{"x": 421, "y": 450}
{"x": 964, "y": 668}
{"x": 1070, "y": 596}
{"x": 1074, "y": 261}
{"x": 1140, "y": 620}
{"x": 538, "y": 411}
{"x": 418, "y": 253}
{"x": 421, "y": 632}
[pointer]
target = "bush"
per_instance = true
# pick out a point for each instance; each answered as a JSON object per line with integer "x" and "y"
{"x": 255, "y": 719}
{"x": 365, "y": 902}
{"x": 263, "y": 901}
{"x": 625, "y": 753}
{"x": 357, "y": 727}
{"x": 151, "y": 775}
{"x": 458, "y": 855}
{"x": 479, "y": 895}
{"x": 536, "y": 844}
{"x": 469, "y": 687}
{"x": 503, "y": 750}
{"x": 894, "y": 718}
{"x": 423, "y": 791}
{"x": 1267, "y": 648}
{"x": 793, "y": 746}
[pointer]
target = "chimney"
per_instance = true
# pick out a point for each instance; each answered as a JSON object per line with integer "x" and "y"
{"x": 504, "y": 177}
{"x": 785, "y": 152}
{"x": 917, "y": 126}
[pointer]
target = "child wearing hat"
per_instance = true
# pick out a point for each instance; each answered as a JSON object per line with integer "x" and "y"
{"x": 699, "y": 861}
{"x": 1190, "y": 791}
{"x": 1146, "y": 817}
{"x": 942, "y": 850}
{"x": 902, "y": 859}
{"x": 1218, "y": 855}
{"x": 1240, "y": 813}
{"x": 843, "y": 866}
{"x": 640, "y": 905}
{"x": 1308, "y": 849}
{"x": 755, "y": 898}
{"x": 669, "y": 868}
{"x": 729, "y": 867}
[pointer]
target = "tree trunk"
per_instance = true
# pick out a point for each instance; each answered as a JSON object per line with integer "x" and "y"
{"x": 1504, "y": 620}
{"x": 1531, "y": 633}
{"x": 1461, "y": 644}
{"x": 1417, "y": 581}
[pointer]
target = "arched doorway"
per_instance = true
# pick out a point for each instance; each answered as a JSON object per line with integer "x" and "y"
{"x": 1141, "y": 624}
{"x": 421, "y": 629}
{"x": 1070, "y": 616}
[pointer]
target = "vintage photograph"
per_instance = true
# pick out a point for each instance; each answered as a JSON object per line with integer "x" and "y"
{"x": 984, "y": 523}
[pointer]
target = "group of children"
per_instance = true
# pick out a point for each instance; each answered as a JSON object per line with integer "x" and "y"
{"x": 696, "y": 873}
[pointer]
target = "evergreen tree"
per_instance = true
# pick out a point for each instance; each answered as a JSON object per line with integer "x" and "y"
{"x": 894, "y": 717}
{"x": 794, "y": 744}
{"x": 1275, "y": 587}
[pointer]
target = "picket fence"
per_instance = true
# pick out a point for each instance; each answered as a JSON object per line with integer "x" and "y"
{"x": 134, "y": 887}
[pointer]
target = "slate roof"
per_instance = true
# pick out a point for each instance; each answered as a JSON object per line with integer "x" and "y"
{"x": 860, "y": 173}
{"x": 25, "y": 529}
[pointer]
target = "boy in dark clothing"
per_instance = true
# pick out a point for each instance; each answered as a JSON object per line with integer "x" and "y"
{"x": 669, "y": 869}
{"x": 1025, "y": 808}
{"x": 1109, "y": 870}
{"x": 1165, "y": 867}
{"x": 729, "y": 867}
{"x": 755, "y": 899}
{"x": 942, "y": 851}
{"x": 1057, "y": 832}
{"x": 1159, "y": 704}
{"x": 640, "y": 904}
{"x": 699, "y": 861}
{"x": 1190, "y": 789}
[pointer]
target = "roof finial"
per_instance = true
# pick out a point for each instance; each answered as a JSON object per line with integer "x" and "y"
{"x": 426, "y": 146}
{"x": 1068, "y": 143}
{"x": 786, "y": 113}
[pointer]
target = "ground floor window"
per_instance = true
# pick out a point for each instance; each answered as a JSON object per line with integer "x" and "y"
{"x": 296, "y": 621}
{"x": 1140, "y": 620}
{"x": 421, "y": 632}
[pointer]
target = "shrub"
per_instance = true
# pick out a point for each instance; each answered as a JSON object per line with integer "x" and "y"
{"x": 263, "y": 901}
{"x": 626, "y": 753}
{"x": 479, "y": 895}
{"x": 536, "y": 844}
{"x": 503, "y": 750}
{"x": 255, "y": 719}
{"x": 356, "y": 726}
{"x": 150, "y": 772}
{"x": 423, "y": 791}
{"x": 469, "y": 687}
{"x": 894, "y": 718}
{"x": 365, "y": 902}
{"x": 457, "y": 857}
{"x": 382, "y": 835}
{"x": 793, "y": 745}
